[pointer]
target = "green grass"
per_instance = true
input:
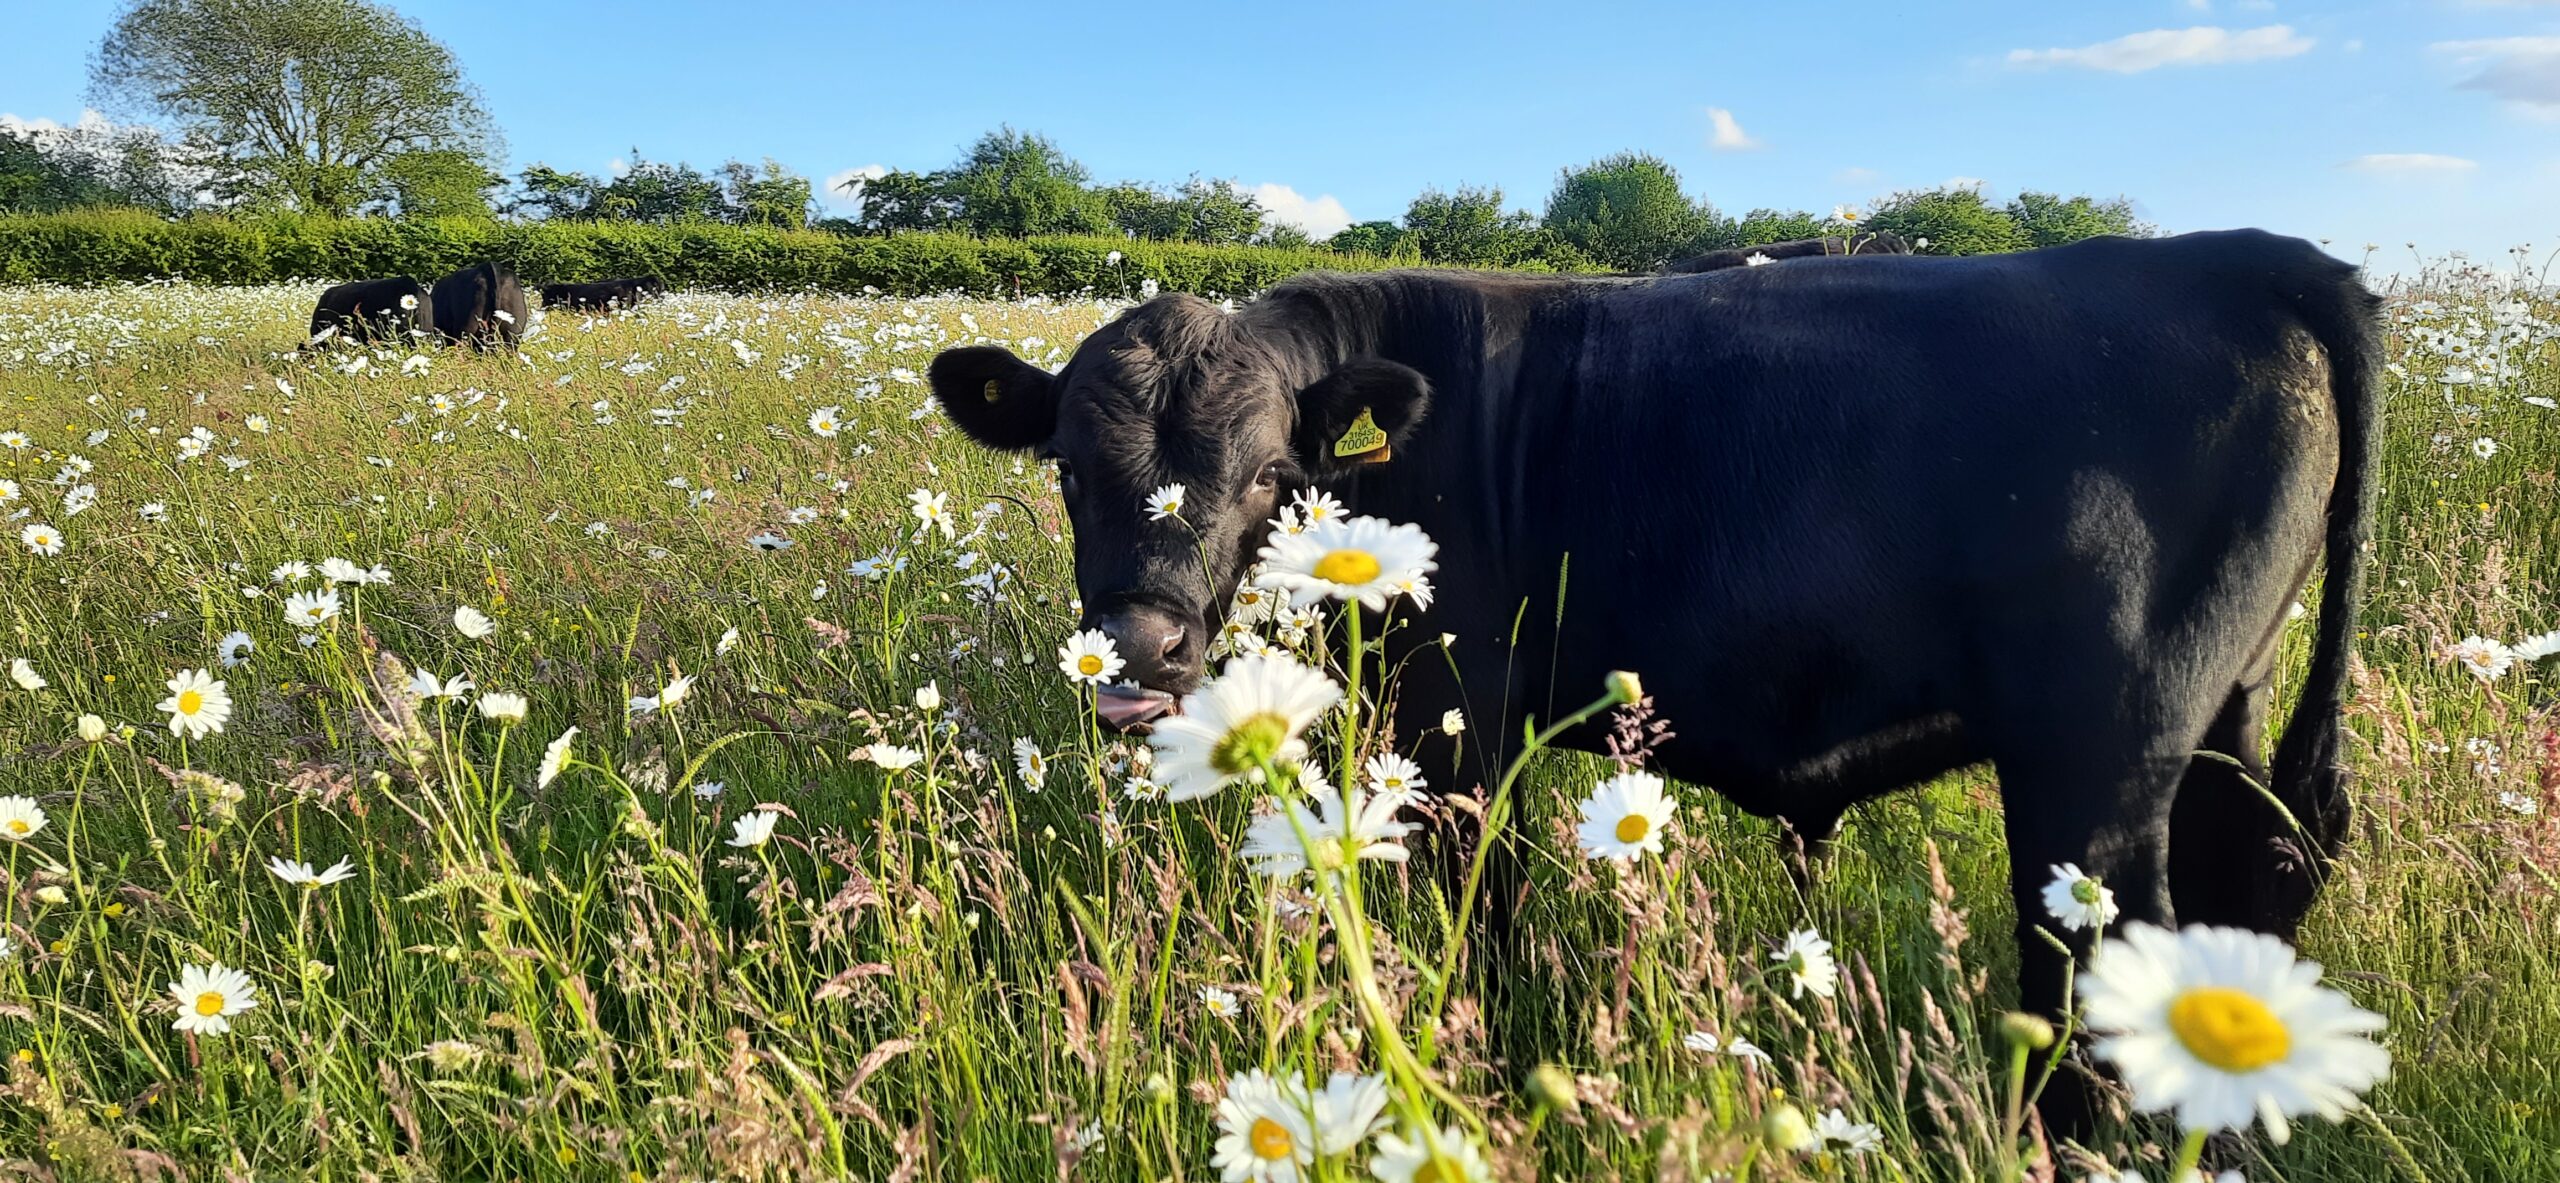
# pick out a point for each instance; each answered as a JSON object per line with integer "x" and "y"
{"x": 937, "y": 972}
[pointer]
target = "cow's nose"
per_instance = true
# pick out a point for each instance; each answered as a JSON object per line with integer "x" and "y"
{"x": 1161, "y": 648}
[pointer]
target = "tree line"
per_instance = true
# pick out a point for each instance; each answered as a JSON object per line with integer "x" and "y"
{"x": 343, "y": 107}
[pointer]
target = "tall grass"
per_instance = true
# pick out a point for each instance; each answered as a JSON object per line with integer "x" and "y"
{"x": 943, "y": 970}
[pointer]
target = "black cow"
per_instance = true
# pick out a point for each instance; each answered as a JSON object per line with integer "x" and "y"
{"x": 604, "y": 296}
{"x": 1874, "y": 242}
{"x": 373, "y": 310}
{"x": 1858, "y": 525}
{"x": 482, "y": 304}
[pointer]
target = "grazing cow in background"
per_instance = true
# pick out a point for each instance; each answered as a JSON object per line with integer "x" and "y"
{"x": 1877, "y": 242}
{"x": 385, "y": 310}
{"x": 1858, "y": 525}
{"x": 604, "y": 296}
{"x": 482, "y": 304}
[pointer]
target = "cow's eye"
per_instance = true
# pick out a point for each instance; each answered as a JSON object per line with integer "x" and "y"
{"x": 1269, "y": 478}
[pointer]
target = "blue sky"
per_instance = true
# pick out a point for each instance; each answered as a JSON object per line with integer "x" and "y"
{"x": 2429, "y": 120}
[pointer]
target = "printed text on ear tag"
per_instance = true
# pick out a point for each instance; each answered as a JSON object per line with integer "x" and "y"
{"x": 1361, "y": 438}
{"x": 995, "y": 389}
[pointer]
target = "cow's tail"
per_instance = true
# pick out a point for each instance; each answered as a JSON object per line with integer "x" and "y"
{"x": 2310, "y": 777}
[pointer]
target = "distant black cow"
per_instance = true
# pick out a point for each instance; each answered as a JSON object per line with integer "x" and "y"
{"x": 603, "y": 296}
{"x": 373, "y": 310}
{"x": 482, "y": 304}
{"x": 1878, "y": 242}
{"x": 1858, "y": 524}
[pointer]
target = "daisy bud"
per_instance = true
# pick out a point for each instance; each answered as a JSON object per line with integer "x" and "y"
{"x": 2025, "y": 1030}
{"x": 50, "y": 894}
{"x": 1625, "y": 687}
{"x": 1553, "y": 1088}
{"x": 1785, "y": 1128}
{"x": 92, "y": 729}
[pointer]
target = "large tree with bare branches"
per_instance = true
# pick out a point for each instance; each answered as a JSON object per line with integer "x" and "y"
{"x": 301, "y": 103}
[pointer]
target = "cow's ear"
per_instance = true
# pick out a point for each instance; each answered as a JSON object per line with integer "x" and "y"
{"x": 1359, "y": 414}
{"x": 1001, "y": 400}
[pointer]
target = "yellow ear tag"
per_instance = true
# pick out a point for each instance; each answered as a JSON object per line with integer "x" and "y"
{"x": 1361, "y": 439}
{"x": 995, "y": 389}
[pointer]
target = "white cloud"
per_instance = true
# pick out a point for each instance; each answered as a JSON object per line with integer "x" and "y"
{"x": 2411, "y": 164}
{"x": 1856, "y": 175}
{"x": 1727, "y": 135}
{"x": 1320, "y": 217}
{"x": 619, "y": 166}
{"x": 2521, "y": 70}
{"x": 833, "y": 190}
{"x": 2203, "y": 45}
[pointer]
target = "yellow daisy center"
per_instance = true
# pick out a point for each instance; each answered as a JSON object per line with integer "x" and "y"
{"x": 1251, "y": 743}
{"x": 1347, "y": 567}
{"x": 1090, "y": 665}
{"x": 1270, "y": 1139}
{"x": 1633, "y": 827}
{"x": 190, "y": 701}
{"x": 2229, "y": 1029}
{"x": 209, "y": 1003}
{"x": 18, "y": 825}
{"x": 1432, "y": 1172}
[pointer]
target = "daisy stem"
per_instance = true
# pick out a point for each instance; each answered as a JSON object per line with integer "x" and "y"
{"x": 2189, "y": 1151}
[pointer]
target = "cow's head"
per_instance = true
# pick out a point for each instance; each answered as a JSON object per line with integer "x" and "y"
{"x": 1240, "y": 410}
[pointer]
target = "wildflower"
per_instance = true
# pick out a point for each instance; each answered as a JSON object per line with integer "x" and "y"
{"x": 198, "y": 705}
{"x": 429, "y": 688}
{"x": 1031, "y": 763}
{"x": 728, "y": 641}
{"x": 892, "y": 757}
{"x": 472, "y": 623}
{"x": 23, "y": 672}
{"x": 1250, "y": 715}
{"x": 2484, "y": 447}
{"x": 929, "y": 696}
{"x": 1221, "y": 1003}
{"x": 1854, "y": 1137}
{"x": 20, "y": 818}
{"x": 753, "y": 828}
{"x": 300, "y": 874}
{"x": 1090, "y": 657}
{"x": 1623, "y": 818}
{"x": 769, "y": 541}
{"x": 1164, "y": 503}
{"x": 931, "y": 510}
{"x": 1783, "y": 1126}
{"x": 1705, "y": 1043}
{"x": 291, "y": 571}
{"x": 2079, "y": 900}
{"x": 308, "y": 608}
{"x": 1445, "y": 1155}
{"x": 1806, "y": 958}
{"x": 453, "y": 1056}
{"x": 1348, "y": 825}
{"x": 2535, "y": 648}
{"x": 44, "y": 540}
{"x": 1349, "y": 559}
{"x": 1393, "y": 775}
{"x": 676, "y": 690}
{"x": 208, "y": 996}
{"x": 1264, "y": 1135}
{"x": 235, "y": 649}
{"x": 2486, "y": 659}
{"x": 1453, "y": 721}
{"x": 1313, "y": 505}
{"x": 2225, "y": 1026}
{"x": 337, "y": 570}
{"x": 92, "y": 729}
{"x": 826, "y": 421}
{"x": 555, "y": 756}
{"x": 502, "y": 708}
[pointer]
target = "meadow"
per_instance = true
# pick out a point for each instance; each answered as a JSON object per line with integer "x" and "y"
{"x": 681, "y": 706}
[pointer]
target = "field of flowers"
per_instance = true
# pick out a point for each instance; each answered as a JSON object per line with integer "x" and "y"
{"x": 663, "y": 755}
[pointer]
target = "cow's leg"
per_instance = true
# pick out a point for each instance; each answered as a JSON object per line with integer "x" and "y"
{"x": 2225, "y": 831}
{"x": 1804, "y": 844}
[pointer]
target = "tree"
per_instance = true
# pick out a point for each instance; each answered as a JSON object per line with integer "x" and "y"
{"x": 2050, "y": 220}
{"x": 1626, "y": 211}
{"x": 661, "y": 193}
{"x": 1469, "y": 227}
{"x": 551, "y": 193}
{"x": 901, "y": 200}
{"x": 95, "y": 163}
{"x": 774, "y": 197}
{"x": 1956, "y": 220}
{"x": 1368, "y": 238}
{"x": 300, "y": 102}
{"x": 1017, "y": 184}
{"x": 437, "y": 183}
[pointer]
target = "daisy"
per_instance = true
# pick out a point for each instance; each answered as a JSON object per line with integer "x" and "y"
{"x": 307, "y": 608}
{"x": 1806, "y": 958}
{"x": 2079, "y": 900}
{"x": 2484, "y": 447}
{"x": 1623, "y": 819}
{"x": 291, "y": 571}
{"x": 931, "y": 511}
{"x": 1090, "y": 657}
{"x": 675, "y": 692}
{"x": 208, "y": 996}
{"x": 2535, "y": 648}
{"x": 929, "y": 696}
{"x": 1443, "y": 1156}
{"x": 826, "y": 421}
{"x": 472, "y": 623}
{"x": 1250, "y": 715}
{"x": 429, "y": 688}
{"x": 1393, "y": 775}
{"x": 198, "y": 705}
{"x": 769, "y": 541}
{"x": 20, "y": 818}
{"x": 1313, "y": 505}
{"x": 1853, "y": 1137}
{"x": 555, "y": 756}
{"x": 893, "y": 758}
{"x": 502, "y": 708}
{"x": 753, "y": 828}
{"x": 1349, "y": 559}
{"x": 235, "y": 649}
{"x": 23, "y": 672}
{"x": 2486, "y": 659}
{"x": 2226, "y": 1026}
{"x": 300, "y": 874}
{"x": 1031, "y": 763}
{"x": 44, "y": 540}
{"x": 1705, "y": 1043}
{"x": 1221, "y": 1003}
{"x": 1264, "y": 1134}
{"x": 1164, "y": 503}
{"x": 337, "y": 570}
{"x": 1347, "y": 826}
{"x": 1346, "y": 1111}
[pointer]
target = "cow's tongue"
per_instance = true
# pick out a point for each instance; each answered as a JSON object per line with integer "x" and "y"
{"x": 1127, "y": 708}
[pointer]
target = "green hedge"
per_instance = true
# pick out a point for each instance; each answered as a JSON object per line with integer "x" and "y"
{"x": 118, "y": 246}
